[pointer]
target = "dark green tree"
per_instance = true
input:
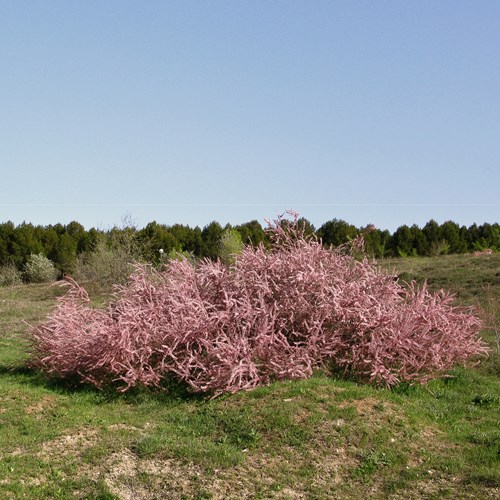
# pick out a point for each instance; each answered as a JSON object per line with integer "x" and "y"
{"x": 420, "y": 243}
{"x": 77, "y": 233}
{"x": 89, "y": 241}
{"x": 450, "y": 232}
{"x": 24, "y": 243}
{"x": 252, "y": 233}
{"x": 190, "y": 239}
{"x": 306, "y": 226}
{"x": 464, "y": 238}
{"x": 155, "y": 237}
{"x": 489, "y": 236}
{"x": 64, "y": 254}
{"x": 50, "y": 240}
{"x": 432, "y": 234}
{"x": 375, "y": 241}
{"x": 211, "y": 236}
{"x": 402, "y": 242}
{"x": 337, "y": 232}
{"x": 6, "y": 238}
{"x": 472, "y": 237}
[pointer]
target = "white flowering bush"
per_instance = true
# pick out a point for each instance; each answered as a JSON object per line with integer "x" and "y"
{"x": 39, "y": 269}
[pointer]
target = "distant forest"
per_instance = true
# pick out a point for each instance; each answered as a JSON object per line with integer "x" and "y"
{"x": 64, "y": 244}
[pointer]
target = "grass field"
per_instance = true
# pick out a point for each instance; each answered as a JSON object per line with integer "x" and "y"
{"x": 317, "y": 438}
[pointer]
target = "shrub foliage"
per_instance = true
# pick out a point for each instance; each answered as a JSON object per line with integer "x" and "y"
{"x": 109, "y": 263}
{"x": 273, "y": 314}
{"x": 9, "y": 275}
{"x": 39, "y": 269}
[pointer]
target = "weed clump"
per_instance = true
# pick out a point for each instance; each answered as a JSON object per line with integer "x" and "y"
{"x": 272, "y": 314}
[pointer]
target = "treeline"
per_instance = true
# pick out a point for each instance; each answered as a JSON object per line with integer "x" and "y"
{"x": 65, "y": 244}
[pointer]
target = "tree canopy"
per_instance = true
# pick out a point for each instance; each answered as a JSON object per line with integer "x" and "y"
{"x": 62, "y": 244}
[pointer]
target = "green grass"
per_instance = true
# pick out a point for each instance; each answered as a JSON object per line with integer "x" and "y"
{"x": 467, "y": 275}
{"x": 316, "y": 438}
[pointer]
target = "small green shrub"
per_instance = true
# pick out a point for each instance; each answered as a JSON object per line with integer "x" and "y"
{"x": 10, "y": 275}
{"x": 180, "y": 255}
{"x": 110, "y": 263}
{"x": 440, "y": 247}
{"x": 230, "y": 246}
{"x": 39, "y": 269}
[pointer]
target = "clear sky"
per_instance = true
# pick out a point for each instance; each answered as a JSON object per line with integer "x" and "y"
{"x": 384, "y": 112}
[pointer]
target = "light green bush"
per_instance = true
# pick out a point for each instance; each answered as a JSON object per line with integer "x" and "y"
{"x": 230, "y": 246}
{"x": 110, "y": 263}
{"x": 440, "y": 247}
{"x": 10, "y": 275}
{"x": 39, "y": 269}
{"x": 180, "y": 255}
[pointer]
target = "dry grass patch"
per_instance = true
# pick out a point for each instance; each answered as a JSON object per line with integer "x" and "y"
{"x": 72, "y": 444}
{"x": 130, "y": 477}
{"x": 45, "y": 404}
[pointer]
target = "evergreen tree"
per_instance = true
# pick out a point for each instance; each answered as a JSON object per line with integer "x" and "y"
{"x": 50, "y": 240}
{"x": 252, "y": 233}
{"x": 375, "y": 241}
{"x": 450, "y": 232}
{"x": 472, "y": 237}
{"x": 189, "y": 239}
{"x": 6, "y": 238}
{"x": 304, "y": 225}
{"x": 211, "y": 236}
{"x": 64, "y": 254}
{"x": 337, "y": 232}
{"x": 24, "y": 243}
{"x": 489, "y": 236}
{"x": 155, "y": 237}
{"x": 432, "y": 234}
{"x": 420, "y": 243}
{"x": 89, "y": 241}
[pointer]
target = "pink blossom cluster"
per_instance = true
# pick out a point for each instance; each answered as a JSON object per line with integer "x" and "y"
{"x": 274, "y": 314}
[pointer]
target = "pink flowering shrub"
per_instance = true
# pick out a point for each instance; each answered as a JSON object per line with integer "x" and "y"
{"x": 273, "y": 314}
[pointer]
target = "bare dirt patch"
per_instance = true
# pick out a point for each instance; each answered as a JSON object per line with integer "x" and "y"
{"x": 74, "y": 444}
{"x": 130, "y": 477}
{"x": 365, "y": 406}
{"x": 44, "y": 404}
{"x": 124, "y": 427}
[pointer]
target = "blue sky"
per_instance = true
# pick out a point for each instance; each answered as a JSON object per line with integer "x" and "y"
{"x": 384, "y": 112}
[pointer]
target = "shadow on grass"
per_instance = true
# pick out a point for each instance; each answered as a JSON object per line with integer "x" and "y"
{"x": 171, "y": 392}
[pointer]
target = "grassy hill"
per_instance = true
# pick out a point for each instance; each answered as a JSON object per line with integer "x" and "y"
{"x": 317, "y": 438}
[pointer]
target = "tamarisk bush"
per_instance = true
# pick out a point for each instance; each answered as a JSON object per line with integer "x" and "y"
{"x": 273, "y": 314}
